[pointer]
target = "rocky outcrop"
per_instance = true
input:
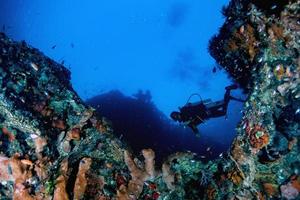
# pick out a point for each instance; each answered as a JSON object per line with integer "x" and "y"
{"x": 47, "y": 135}
{"x": 259, "y": 47}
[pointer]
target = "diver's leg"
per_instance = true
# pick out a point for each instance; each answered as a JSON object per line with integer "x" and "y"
{"x": 219, "y": 112}
{"x": 227, "y": 96}
{"x": 221, "y": 108}
{"x": 237, "y": 99}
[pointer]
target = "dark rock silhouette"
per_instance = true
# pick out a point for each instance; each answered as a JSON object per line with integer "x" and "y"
{"x": 138, "y": 121}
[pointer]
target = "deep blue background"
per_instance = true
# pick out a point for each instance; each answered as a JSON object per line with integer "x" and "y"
{"x": 156, "y": 45}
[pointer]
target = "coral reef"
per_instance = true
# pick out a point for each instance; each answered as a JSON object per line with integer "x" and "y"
{"x": 47, "y": 133}
{"x": 81, "y": 179}
{"x": 60, "y": 191}
{"x": 261, "y": 52}
{"x": 139, "y": 176}
{"x": 53, "y": 146}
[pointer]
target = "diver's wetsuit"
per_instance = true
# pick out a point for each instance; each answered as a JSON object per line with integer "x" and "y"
{"x": 191, "y": 115}
{"x": 194, "y": 114}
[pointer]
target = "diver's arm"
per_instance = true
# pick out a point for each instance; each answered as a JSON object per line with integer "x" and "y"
{"x": 194, "y": 128}
{"x": 193, "y": 123}
{"x": 237, "y": 99}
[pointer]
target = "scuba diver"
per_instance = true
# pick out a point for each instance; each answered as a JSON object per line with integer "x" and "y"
{"x": 193, "y": 114}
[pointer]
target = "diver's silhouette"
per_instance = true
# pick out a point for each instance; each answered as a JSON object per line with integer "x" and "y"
{"x": 193, "y": 114}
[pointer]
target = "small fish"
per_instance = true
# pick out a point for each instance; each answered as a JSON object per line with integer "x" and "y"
{"x": 22, "y": 100}
{"x": 214, "y": 70}
{"x": 34, "y": 66}
{"x": 53, "y": 47}
{"x": 273, "y": 7}
{"x": 202, "y": 157}
{"x": 208, "y": 148}
{"x": 72, "y": 45}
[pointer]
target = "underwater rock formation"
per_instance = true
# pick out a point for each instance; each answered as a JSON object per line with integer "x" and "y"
{"x": 52, "y": 146}
{"x": 139, "y": 123}
{"x": 259, "y": 47}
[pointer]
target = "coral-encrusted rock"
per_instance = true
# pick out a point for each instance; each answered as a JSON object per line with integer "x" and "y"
{"x": 261, "y": 52}
{"x": 60, "y": 191}
{"x": 239, "y": 45}
{"x": 44, "y": 127}
{"x": 81, "y": 179}
{"x": 139, "y": 176}
{"x": 258, "y": 137}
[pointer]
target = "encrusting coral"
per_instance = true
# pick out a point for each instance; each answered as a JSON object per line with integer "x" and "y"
{"x": 168, "y": 176}
{"x": 5, "y": 175}
{"x": 60, "y": 191}
{"x": 44, "y": 125}
{"x": 22, "y": 173}
{"x": 258, "y": 136}
{"x": 81, "y": 179}
{"x": 139, "y": 176}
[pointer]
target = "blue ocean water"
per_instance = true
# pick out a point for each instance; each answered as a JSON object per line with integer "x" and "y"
{"x": 132, "y": 45}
